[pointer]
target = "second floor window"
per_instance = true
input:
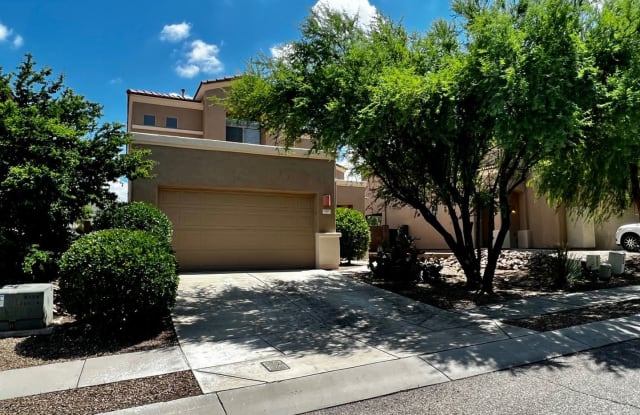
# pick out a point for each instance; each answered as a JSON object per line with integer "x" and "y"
{"x": 240, "y": 131}
{"x": 171, "y": 122}
{"x": 149, "y": 120}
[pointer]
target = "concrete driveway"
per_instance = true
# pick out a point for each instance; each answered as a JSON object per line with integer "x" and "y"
{"x": 244, "y": 329}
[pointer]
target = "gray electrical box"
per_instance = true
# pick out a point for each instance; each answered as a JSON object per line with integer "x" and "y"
{"x": 26, "y": 306}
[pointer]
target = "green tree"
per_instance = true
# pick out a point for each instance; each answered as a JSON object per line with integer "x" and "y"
{"x": 454, "y": 117}
{"x": 55, "y": 159}
{"x": 355, "y": 238}
{"x": 597, "y": 173}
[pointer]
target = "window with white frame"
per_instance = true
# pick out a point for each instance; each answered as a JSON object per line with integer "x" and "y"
{"x": 240, "y": 131}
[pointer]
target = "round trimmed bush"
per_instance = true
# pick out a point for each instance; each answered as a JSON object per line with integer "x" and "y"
{"x": 355, "y": 239}
{"x": 135, "y": 215}
{"x": 118, "y": 279}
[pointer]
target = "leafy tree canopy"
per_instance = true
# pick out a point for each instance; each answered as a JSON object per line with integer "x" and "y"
{"x": 55, "y": 158}
{"x": 597, "y": 174}
{"x": 456, "y": 117}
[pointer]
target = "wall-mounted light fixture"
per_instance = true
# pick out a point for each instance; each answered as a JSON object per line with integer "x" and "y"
{"x": 326, "y": 201}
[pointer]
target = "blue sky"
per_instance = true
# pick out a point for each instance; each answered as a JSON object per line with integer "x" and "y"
{"x": 106, "y": 47}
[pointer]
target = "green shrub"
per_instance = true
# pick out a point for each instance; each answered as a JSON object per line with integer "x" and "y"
{"x": 355, "y": 239}
{"x": 553, "y": 270}
{"x": 137, "y": 216}
{"x": 118, "y": 278}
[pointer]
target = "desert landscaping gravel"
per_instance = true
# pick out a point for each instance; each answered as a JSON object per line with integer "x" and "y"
{"x": 562, "y": 319}
{"x": 104, "y": 398}
{"x": 73, "y": 341}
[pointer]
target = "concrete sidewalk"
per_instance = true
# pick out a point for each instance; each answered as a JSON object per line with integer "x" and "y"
{"x": 290, "y": 342}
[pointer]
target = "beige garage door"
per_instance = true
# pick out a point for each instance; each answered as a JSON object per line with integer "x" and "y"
{"x": 240, "y": 230}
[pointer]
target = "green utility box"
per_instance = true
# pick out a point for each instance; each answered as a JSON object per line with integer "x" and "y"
{"x": 26, "y": 306}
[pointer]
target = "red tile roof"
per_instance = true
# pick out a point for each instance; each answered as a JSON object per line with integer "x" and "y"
{"x": 178, "y": 96}
{"x": 224, "y": 78}
{"x": 158, "y": 94}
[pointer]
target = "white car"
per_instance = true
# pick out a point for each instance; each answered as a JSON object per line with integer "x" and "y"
{"x": 628, "y": 236}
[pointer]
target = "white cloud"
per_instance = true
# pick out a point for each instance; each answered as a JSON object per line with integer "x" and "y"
{"x": 5, "y": 35}
{"x": 5, "y": 32}
{"x": 120, "y": 188}
{"x": 362, "y": 9}
{"x": 187, "y": 71}
{"x": 280, "y": 51}
{"x": 115, "y": 81}
{"x": 175, "y": 32}
{"x": 18, "y": 41}
{"x": 200, "y": 58}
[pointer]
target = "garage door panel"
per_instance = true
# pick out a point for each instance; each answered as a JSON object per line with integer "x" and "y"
{"x": 252, "y": 241}
{"x": 240, "y": 230}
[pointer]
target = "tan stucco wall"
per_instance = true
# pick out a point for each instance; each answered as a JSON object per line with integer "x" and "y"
{"x": 350, "y": 195}
{"x": 270, "y": 140}
{"x": 214, "y": 116}
{"x": 206, "y": 169}
{"x": 188, "y": 119}
{"x": 580, "y": 232}
{"x": 547, "y": 225}
{"x": 427, "y": 237}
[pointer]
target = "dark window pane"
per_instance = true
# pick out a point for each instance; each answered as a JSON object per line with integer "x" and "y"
{"x": 172, "y": 122}
{"x": 150, "y": 120}
{"x": 234, "y": 134}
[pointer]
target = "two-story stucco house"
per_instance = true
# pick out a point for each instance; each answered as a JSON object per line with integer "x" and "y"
{"x": 235, "y": 199}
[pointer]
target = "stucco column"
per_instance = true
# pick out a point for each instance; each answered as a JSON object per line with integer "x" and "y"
{"x": 328, "y": 250}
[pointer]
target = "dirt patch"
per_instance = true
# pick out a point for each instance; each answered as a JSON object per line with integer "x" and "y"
{"x": 562, "y": 319}
{"x": 109, "y": 397}
{"x": 71, "y": 340}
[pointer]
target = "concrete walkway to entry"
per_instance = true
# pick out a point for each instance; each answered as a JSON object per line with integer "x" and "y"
{"x": 296, "y": 341}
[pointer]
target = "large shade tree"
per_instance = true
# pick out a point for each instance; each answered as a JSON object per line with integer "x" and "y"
{"x": 453, "y": 117}
{"x": 597, "y": 173}
{"x": 55, "y": 159}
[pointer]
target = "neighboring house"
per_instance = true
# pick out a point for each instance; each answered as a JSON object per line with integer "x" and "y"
{"x": 534, "y": 224}
{"x": 349, "y": 193}
{"x": 235, "y": 199}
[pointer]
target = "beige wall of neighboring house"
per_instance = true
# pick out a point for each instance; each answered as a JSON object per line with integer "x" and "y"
{"x": 350, "y": 194}
{"x": 534, "y": 224}
{"x": 234, "y": 205}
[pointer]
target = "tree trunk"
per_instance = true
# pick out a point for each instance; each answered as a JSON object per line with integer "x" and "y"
{"x": 470, "y": 264}
{"x": 495, "y": 247}
{"x": 635, "y": 185}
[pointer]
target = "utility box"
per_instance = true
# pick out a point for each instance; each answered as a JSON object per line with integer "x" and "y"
{"x": 616, "y": 259}
{"x": 26, "y": 306}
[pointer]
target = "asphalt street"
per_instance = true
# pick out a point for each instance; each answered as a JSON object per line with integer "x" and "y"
{"x": 599, "y": 381}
